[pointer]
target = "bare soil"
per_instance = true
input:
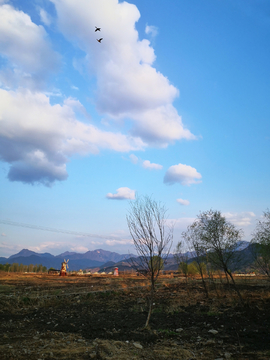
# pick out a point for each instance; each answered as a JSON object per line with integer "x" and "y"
{"x": 102, "y": 317}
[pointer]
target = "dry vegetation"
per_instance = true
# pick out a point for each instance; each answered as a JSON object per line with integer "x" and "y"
{"x": 101, "y": 317}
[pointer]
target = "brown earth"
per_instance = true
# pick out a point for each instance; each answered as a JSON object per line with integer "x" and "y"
{"x": 102, "y": 317}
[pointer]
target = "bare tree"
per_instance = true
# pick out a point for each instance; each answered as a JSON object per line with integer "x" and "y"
{"x": 181, "y": 258}
{"x": 152, "y": 237}
{"x": 220, "y": 239}
{"x": 193, "y": 239}
{"x": 261, "y": 244}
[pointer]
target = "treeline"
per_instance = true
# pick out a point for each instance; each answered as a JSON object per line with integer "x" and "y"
{"x": 15, "y": 267}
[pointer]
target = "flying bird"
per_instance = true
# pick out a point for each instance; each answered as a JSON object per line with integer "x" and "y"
{"x": 97, "y": 29}
{"x": 99, "y": 40}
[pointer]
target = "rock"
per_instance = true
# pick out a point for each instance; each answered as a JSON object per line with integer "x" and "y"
{"x": 227, "y": 355}
{"x": 214, "y": 332}
{"x": 209, "y": 342}
{"x": 179, "y": 330}
{"x": 137, "y": 345}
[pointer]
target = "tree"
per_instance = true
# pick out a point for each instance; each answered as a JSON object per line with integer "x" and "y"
{"x": 261, "y": 243}
{"x": 181, "y": 258}
{"x": 14, "y": 267}
{"x": 158, "y": 263}
{"x": 192, "y": 237}
{"x": 220, "y": 240}
{"x": 30, "y": 267}
{"x": 152, "y": 237}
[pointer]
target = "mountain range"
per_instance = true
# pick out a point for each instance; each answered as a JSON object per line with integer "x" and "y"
{"x": 77, "y": 261}
{"x": 103, "y": 260}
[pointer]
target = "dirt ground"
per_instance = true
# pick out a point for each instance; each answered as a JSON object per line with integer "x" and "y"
{"x": 98, "y": 317}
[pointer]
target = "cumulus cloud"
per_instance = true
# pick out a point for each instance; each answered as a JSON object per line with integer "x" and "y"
{"x": 240, "y": 219}
{"x": 183, "y": 202}
{"x": 183, "y": 174}
{"x": 122, "y": 193}
{"x": 38, "y": 144}
{"x": 151, "y": 166}
{"x": 25, "y": 45}
{"x": 128, "y": 85}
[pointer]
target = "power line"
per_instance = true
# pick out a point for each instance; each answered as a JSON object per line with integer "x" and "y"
{"x": 44, "y": 228}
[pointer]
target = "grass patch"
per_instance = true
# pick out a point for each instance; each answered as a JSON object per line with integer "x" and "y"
{"x": 168, "y": 332}
{"x": 6, "y": 289}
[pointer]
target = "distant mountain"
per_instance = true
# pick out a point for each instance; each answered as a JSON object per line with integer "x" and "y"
{"x": 77, "y": 261}
{"x": 23, "y": 253}
{"x": 96, "y": 255}
{"x": 67, "y": 253}
{"x": 242, "y": 245}
{"x": 27, "y": 253}
{"x": 107, "y": 260}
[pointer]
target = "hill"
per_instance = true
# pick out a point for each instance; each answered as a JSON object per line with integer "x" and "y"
{"x": 106, "y": 260}
{"x": 77, "y": 261}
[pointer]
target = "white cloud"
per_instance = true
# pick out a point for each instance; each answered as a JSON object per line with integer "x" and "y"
{"x": 119, "y": 242}
{"x": 79, "y": 249}
{"x": 151, "y": 166}
{"x": 3, "y": 234}
{"x": 183, "y": 202}
{"x": 8, "y": 249}
{"x": 128, "y": 86}
{"x": 45, "y": 17}
{"x": 38, "y": 144}
{"x": 27, "y": 49}
{"x": 151, "y": 30}
{"x": 240, "y": 219}
{"x": 122, "y": 193}
{"x": 160, "y": 125}
{"x": 133, "y": 158}
{"x": 183, "y": 174}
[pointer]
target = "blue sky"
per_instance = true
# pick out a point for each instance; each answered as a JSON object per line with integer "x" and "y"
{"x": 174, "y": 103}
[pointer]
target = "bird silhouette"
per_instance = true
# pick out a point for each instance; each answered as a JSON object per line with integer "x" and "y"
{"x": 99, "y": 40}
{"x": 97, "y": 29}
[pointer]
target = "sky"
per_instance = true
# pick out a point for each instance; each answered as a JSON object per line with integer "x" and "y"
{"x": 173, "y": 103}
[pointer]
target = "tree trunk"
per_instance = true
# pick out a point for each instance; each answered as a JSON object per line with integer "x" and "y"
{"x": 235, "y": 287}
{"x": 150, "y": 305}
{"x": 204, "y": 285}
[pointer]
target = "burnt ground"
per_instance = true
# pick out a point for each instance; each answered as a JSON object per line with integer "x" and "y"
{"x": 103, "y": 318}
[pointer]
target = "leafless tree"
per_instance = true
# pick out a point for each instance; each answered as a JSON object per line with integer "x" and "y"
{"x": 152, "y": 236}
{"x": 193, "y": 239}
{"x": 181, "y": 258}
{"x": 220, "y": 240}
{"x": 261, "y": 244}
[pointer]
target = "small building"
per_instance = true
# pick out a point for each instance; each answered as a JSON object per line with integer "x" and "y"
{"x": 53, "y": 272}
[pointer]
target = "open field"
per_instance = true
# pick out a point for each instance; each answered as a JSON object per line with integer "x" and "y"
{"x": 102, "y": 317}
